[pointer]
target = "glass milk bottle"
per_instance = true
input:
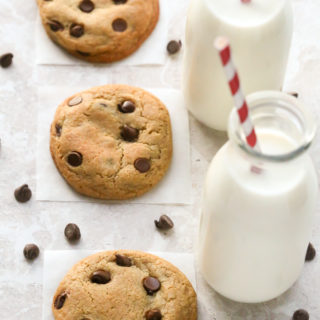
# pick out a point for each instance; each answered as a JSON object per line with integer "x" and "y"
{"x": 258, "y": 206}
{"x": 260, "y": 35}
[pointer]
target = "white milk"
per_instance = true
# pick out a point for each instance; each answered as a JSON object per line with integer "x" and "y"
{"x": 260, "y": 36}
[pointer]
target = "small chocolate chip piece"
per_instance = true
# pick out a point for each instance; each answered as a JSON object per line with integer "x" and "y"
{"x": 101, "y": 277}
{"x": 76, "y": 30}
{"x": 119, "y": 25}
{"x": 72, "y": 232}
{"x": 301, "y": 315}
{"x": 142, "y": 165}
{"x": 151, "y": 285}
{"x": 58, "y": 130}
{"x": 84, "y": 54}
{"x": 119, "y": 1}
{"x": 86, "y": 6}
{"x": 6, "y": 60}
{"x": 75, "y": 159}
{"x": 174, "y": 46}
{"x": 126, "y": 107}
{"x": 153, "y": 314}
{"x": 23, "y": 193}
{"x": 311, "y": 252}
{"x": 55, "y": 25}
{"x": 75, "y": 101}
{"x": 60, "y": 300}
{"x": 164, "y": 223}
{"x": 123, "y": 261}
{"x": 294, "y": 94}
{"x": 31, "y": 251}
{"x": 129, "y": 134}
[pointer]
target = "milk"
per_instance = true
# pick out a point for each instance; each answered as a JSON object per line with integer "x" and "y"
{"x": 260, "y": 36}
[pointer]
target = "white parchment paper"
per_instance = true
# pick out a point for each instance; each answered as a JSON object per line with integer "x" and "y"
{"x": 58, "y": 262}
{"x": 174, "y": 188}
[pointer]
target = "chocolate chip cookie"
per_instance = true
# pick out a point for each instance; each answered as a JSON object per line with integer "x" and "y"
{"x": 99, "y": 30}
{"x": 130, "y": 285}
{"x": 112, "y": 142}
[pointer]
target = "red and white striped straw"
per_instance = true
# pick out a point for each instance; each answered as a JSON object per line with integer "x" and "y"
{"x": 223, "y": 46}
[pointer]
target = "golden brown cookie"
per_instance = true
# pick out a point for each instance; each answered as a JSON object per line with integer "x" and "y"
{"x": 124, "y": 285}
{"x": 112, "y": 142}
{"x": 99, "y": 30}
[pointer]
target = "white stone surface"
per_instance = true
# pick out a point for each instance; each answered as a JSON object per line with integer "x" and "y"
{"x": 124, "y": 226}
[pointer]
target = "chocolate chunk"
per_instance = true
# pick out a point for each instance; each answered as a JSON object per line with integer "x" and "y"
{"x": 119, "y": 1}
{"x": 142, "y": 164}
{"x": 174, "y": 46}
{"x": 86, "y": 6}
{"x": 75, "y": 159}
{"x": 311, "y": 252}
{"x": 75, "y": 101}
{"x": 58, "y": 130}
{"x": 60, "y": 300}
{"x": 72, "y": 232}
{"x": 123, "y": 261}
{"x": 101, "y": 277}
{"x": 294, "y": 94}
{"x": 23, "y": 193}
{"x": 126, "y": 107}
{"x": 6, "y": 60}
{"x": 153, "y": 314}
{"x": 129, "y": 134}
{"x": 164, "y": 223}
{"x": 31, "y": 251}
{"x": 151, "y": 285}
{"x": 301, "y": 315}
{"x": 55, "y": 25}
{"x": 119, "y": 25}
{"x": 76, "y": 30}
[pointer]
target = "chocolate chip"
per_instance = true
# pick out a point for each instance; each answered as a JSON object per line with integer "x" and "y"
{"x": 31, "y": 251}
{"x": 55, "y": 25}
{"x": 294, "y": 94}
{"x": 151, "y": 285}
{"x": 6, "y": 60}
{"x": 174, "y": 46}
{"x": 76, "y": 30}
{"x": 84, "y": 54}
{"x": 101, "y": 277}
{"x": 72, "y": 232}
{"x": 75, "y": 159}
{"x": 119, "y": 25}
{"x": 129, "y": 134}
{"x": 301, "y": 315}
{"x": 142, "y": 165}
{"x": 23, "y": 193}
{"x": 86, "y": 6}
{"x": 119, "y": 1}
{"x": 75, "y": 101}
{"x": 311, "y": 252}
{"x": 58, "y": 130}
{"x": 153, "y": 314}
{"x": 127, "y": 107}
{"x": 60, "y": 300}
{"x": 164, "y": 223}
{"x": 123, "y": 261}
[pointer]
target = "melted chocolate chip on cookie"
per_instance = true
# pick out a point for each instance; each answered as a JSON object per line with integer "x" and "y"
{"x": 75, "y": 159}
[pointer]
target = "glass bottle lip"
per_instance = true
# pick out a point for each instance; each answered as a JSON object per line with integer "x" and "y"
{"x": 283, "y": 101}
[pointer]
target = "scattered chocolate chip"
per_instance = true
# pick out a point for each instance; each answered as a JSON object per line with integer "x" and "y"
{"x": 60, "y": 300}
{"x": 294, "y": 94}
{"x": 126, "y": 107}
{"x": 72, "y": 232}
{"x": 6, "y": 60}
{"x": 58, "y": 130}
{"x": 153, "y": 314}
{"x": 142, "y": 164}
{"x": 55, "y": 25}
{"x": 151, "y": 285}
{"x": 84, "y": 54}
{"x": 101, "y": 277}
{"x": 311, "y": 252}
{"x": 119, "y": 25}
{"x": 75, "y": 101}
{"x": 31, "y": 251}
{"x": 129, "y": 134}
{"x": 76, "y": 30}
{"x": 301, "y": 315}
{"x": 164, "y": 223}
{"x": 123, "y": 261}
{"x": 23, "y": 193}
{"x": 75, "y": 159}
{"x": 174, "y": 46}
{"x": 86, "y": 6}
{"x": 119, "y": 1}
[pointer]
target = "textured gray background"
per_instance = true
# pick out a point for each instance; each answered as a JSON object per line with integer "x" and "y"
{"x": 126, "y": 226}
